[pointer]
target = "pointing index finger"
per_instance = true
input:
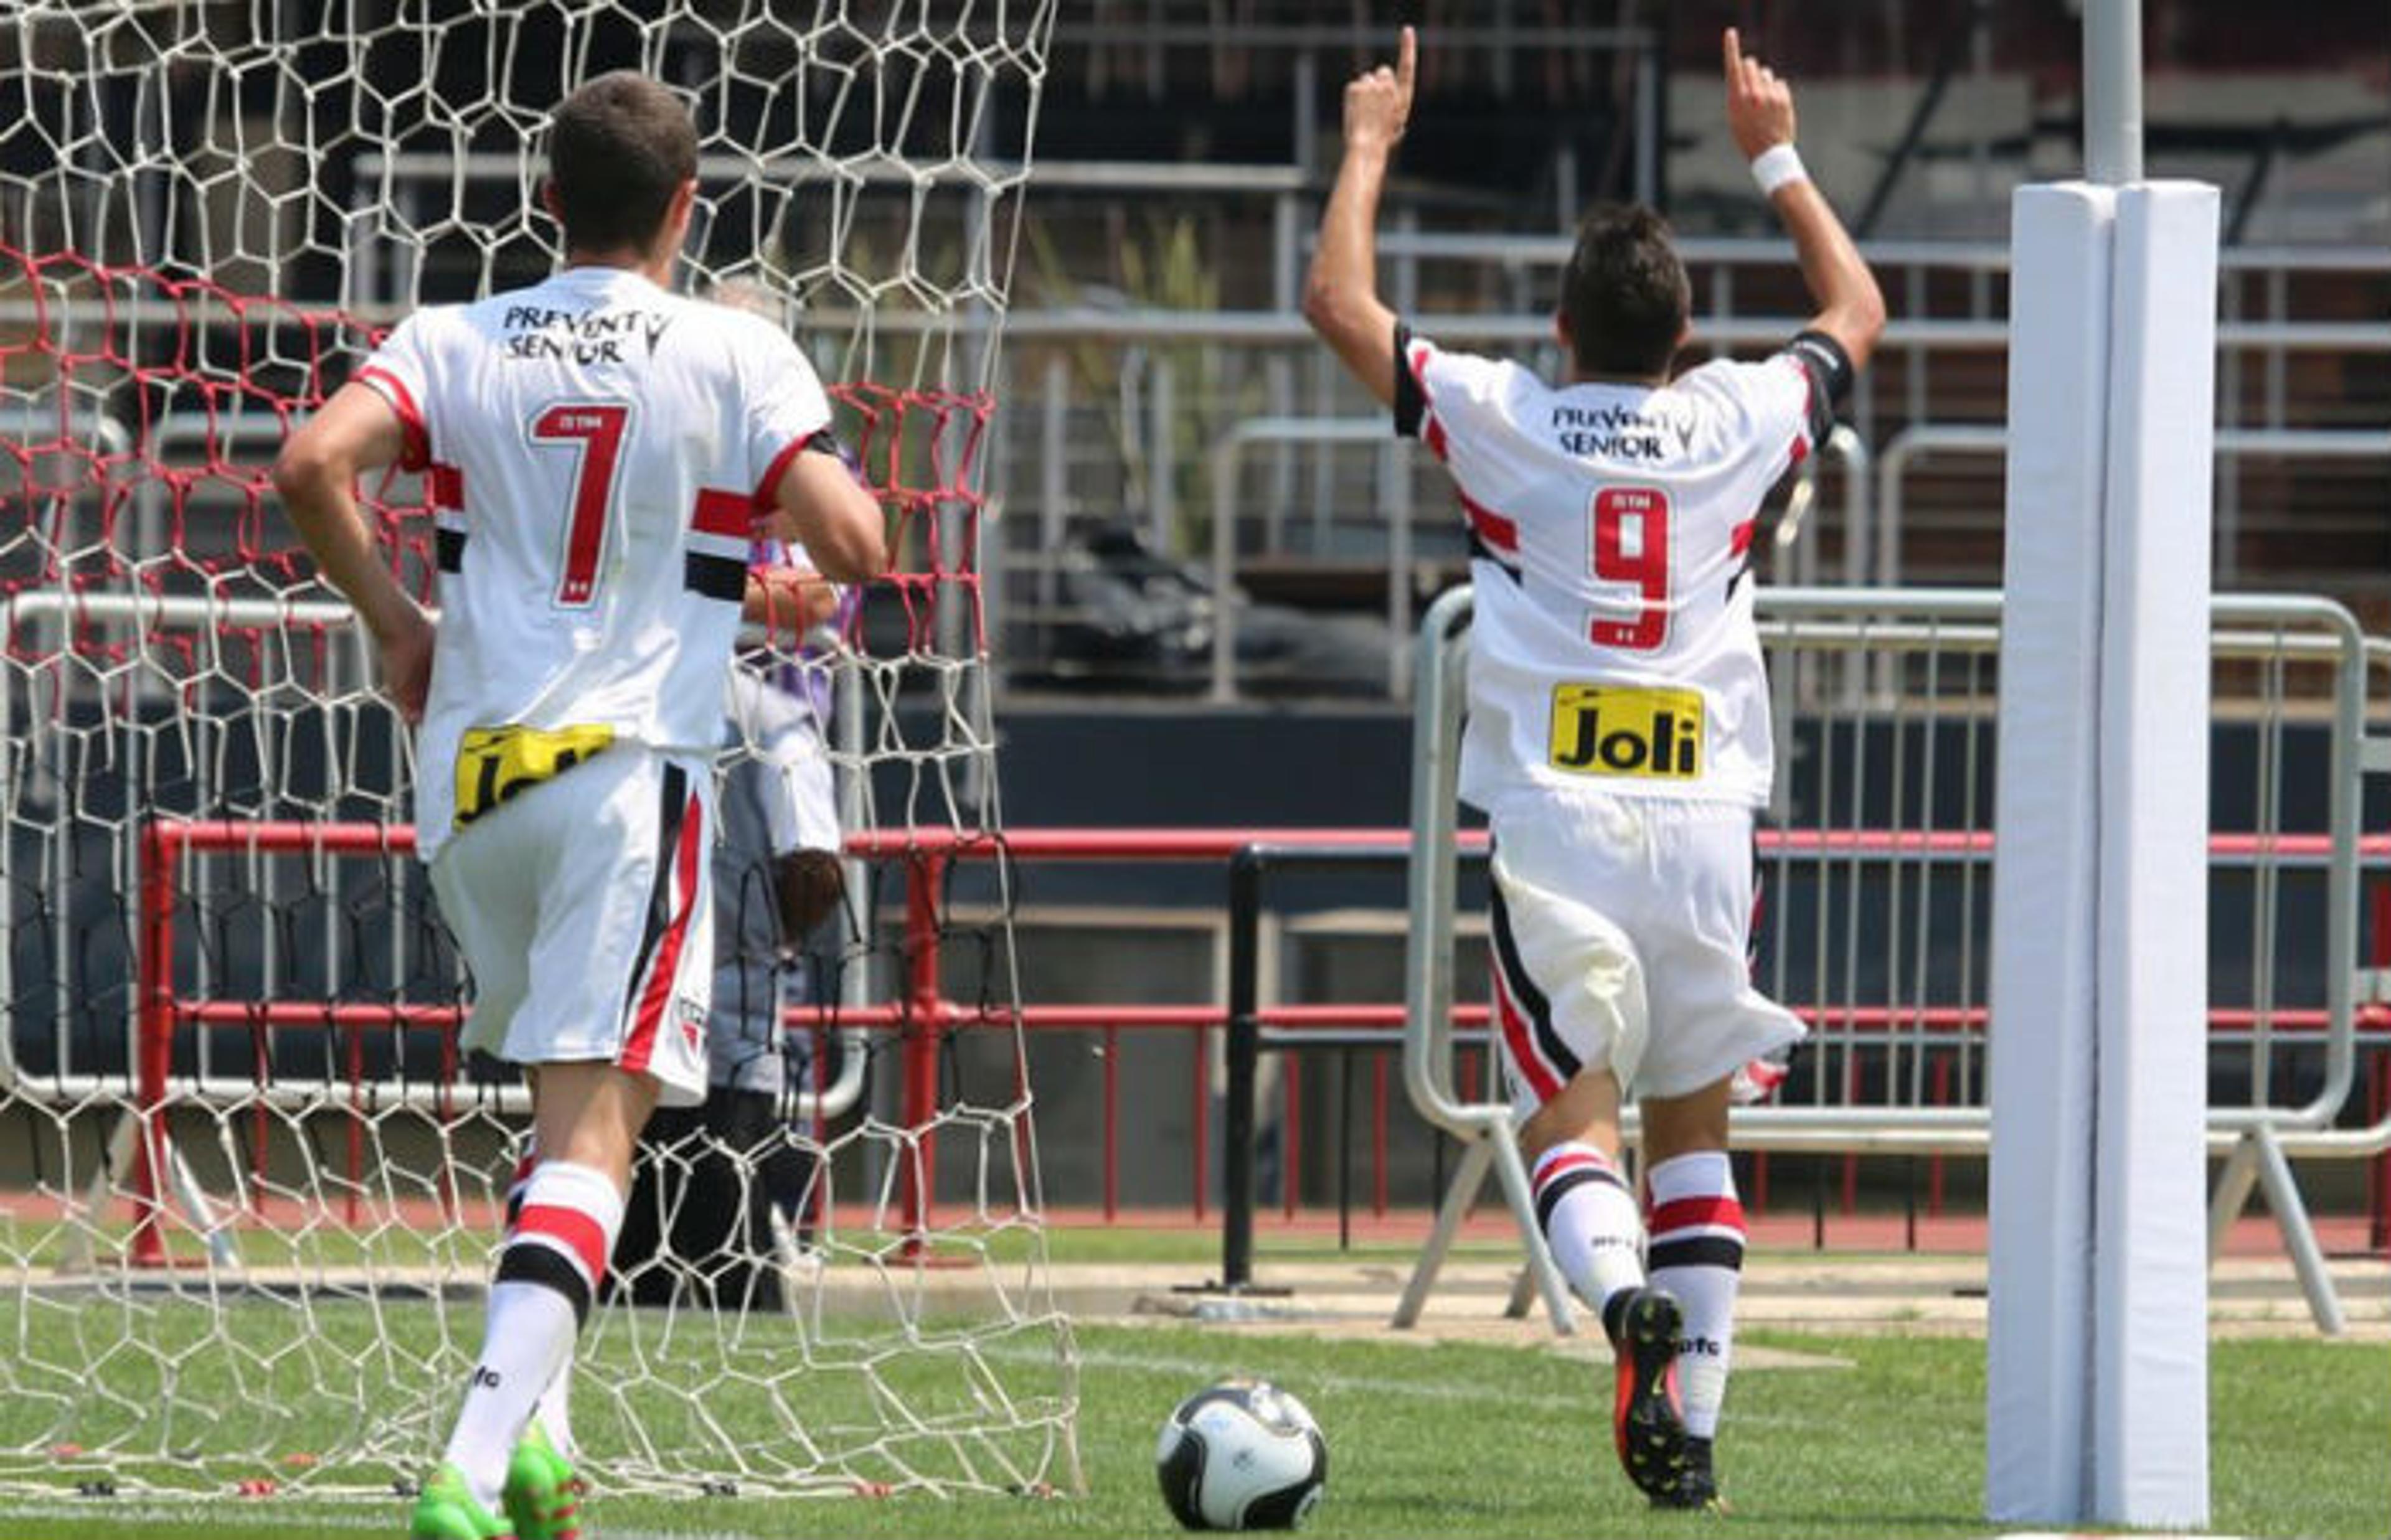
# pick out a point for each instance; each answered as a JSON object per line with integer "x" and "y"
{"x": 1734, "y": 50}
{"x": 1407, "y": 62}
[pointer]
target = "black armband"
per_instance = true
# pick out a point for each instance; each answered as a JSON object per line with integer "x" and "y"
{"x": 1830, "y": 370}
{"x": 1411, "y": 404}
{"x": 825, "y": 441}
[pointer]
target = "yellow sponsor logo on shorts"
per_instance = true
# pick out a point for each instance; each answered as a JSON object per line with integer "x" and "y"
{"x": 494, "y": 764}
{"x": 1627, "y": 730}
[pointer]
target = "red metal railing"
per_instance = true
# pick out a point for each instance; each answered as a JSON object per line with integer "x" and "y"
{"x": 920, "y": 1015}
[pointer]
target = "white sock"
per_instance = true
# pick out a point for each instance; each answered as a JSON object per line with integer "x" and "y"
{"x": 1590, "y": 1221}
{"x": 1698, "y": 1234}
{"x": 548, "y": 1274}
{"x": 555, "y": 1410}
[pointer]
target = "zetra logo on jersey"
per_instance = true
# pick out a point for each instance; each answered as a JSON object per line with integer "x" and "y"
{"x": 1647, "y": 732}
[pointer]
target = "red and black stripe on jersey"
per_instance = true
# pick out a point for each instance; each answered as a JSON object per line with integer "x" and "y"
{"x": 1493, "y": 537}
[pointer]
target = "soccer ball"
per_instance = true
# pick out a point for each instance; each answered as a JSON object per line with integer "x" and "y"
{"x": 1242, "y": 1455}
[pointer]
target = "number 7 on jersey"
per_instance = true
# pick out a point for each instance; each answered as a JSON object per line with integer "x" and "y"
{"x": 595, "y": 430}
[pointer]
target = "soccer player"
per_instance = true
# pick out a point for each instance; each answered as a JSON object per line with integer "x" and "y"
{"x": 1619, "y": 734}
{"x": 597, "y": 451}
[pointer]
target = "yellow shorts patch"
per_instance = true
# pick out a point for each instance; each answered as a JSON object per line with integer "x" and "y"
{"x": 497, "y": 764}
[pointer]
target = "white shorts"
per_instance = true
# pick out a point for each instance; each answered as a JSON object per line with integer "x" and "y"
{"x": 1622, "y": 930}
{"x": 585, "y": 907}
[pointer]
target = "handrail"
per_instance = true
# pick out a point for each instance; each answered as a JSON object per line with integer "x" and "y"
{"x": 2257, "y": 1139}
{"x": 1432, "y": 800}
{"x": 1947, "y": 616}
{"x": 1553, "y": 250}
{"x": 142, "y": 607}
{"x": 1160, "y": 176}
{"x": 1226, "y": 456}
{"x": 1153, "y": 323}
{"x": 1893, "y": 464}
{"x": 1428, "y": 976}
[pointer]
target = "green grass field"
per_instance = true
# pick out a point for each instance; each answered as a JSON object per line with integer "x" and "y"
{"x": 1442, "y": 1439}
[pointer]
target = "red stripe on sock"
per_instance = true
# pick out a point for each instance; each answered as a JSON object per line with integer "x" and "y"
{"x": 581, "y": 1235}
{"x": 1685, "y": 1213}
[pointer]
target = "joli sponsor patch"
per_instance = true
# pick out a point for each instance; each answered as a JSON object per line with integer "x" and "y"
{"x": 1626, "y": 730}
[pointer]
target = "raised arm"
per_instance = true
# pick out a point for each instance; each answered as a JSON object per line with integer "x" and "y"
{"x": 317, "y": 474}
{"x": 1340, "y": 297}
{"x": 1760, "y": 114}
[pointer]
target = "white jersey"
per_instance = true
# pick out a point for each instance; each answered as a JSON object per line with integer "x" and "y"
{"x": 1610, "y": 532}
{"x": 600, "y": 451}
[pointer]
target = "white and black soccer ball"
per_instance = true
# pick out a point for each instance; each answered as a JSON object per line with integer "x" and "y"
{"x": 1242, "y": 1455}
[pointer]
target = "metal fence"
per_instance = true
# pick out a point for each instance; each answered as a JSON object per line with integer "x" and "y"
{"x": 1879, "y": 868}
{"x": 1877, "y": 858}
{"x": 1165, "y": 414}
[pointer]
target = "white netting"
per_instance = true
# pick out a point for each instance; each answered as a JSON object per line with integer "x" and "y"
{"x": 248, "y": 1194}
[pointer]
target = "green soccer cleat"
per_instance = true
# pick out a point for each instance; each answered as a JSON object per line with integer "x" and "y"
{"x": 447, "y": 1509}
{"x": 543, "y": 1496}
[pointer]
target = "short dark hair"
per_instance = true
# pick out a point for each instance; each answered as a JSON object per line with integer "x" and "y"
{"x": 1625, "y": 295}
{"x": 618, "y": 148}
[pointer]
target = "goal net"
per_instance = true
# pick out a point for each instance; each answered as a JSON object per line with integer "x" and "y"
{"x": 249, "y": 1191}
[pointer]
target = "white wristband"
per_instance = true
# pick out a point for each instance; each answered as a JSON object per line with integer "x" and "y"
{"x": 1775, "y": 166}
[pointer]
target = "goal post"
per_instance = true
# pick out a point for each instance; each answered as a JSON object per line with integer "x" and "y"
{"x": 248, "y": 1190}
{"x": 2097, "y": 1355}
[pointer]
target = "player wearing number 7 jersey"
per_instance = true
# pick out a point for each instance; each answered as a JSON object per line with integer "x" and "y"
{"x": 598, "y": 452}
{"x": 1619, "y": 734}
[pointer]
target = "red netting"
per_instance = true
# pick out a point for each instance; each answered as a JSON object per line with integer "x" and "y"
{"x": 144, "y": 411}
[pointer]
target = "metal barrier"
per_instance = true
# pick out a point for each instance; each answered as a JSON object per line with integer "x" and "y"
{"x": 1926, "y": 634}
{"x": 916, "y": 1014}
{"x": 1883, "y": 564}
{"x": 1395, "y": 498}
{"x": 1896, "y": 869}
{"x": 1275, "y": 345}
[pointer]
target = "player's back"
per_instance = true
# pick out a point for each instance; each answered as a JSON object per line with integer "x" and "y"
{"x": 1611, "y": 523}
{"x": 599, "y": 450}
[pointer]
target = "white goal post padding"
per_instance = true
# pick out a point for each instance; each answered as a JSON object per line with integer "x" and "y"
{"x": 2097, "y": 1357}
{"x": 2045, "y": 960}
{"x": 2149, "y": 1383}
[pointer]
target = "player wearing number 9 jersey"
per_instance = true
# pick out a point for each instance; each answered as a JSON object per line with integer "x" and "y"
{"x": 1611, "y": 527}
{"x": 599, "y": 452}
{"x": 1619, "y": 734}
